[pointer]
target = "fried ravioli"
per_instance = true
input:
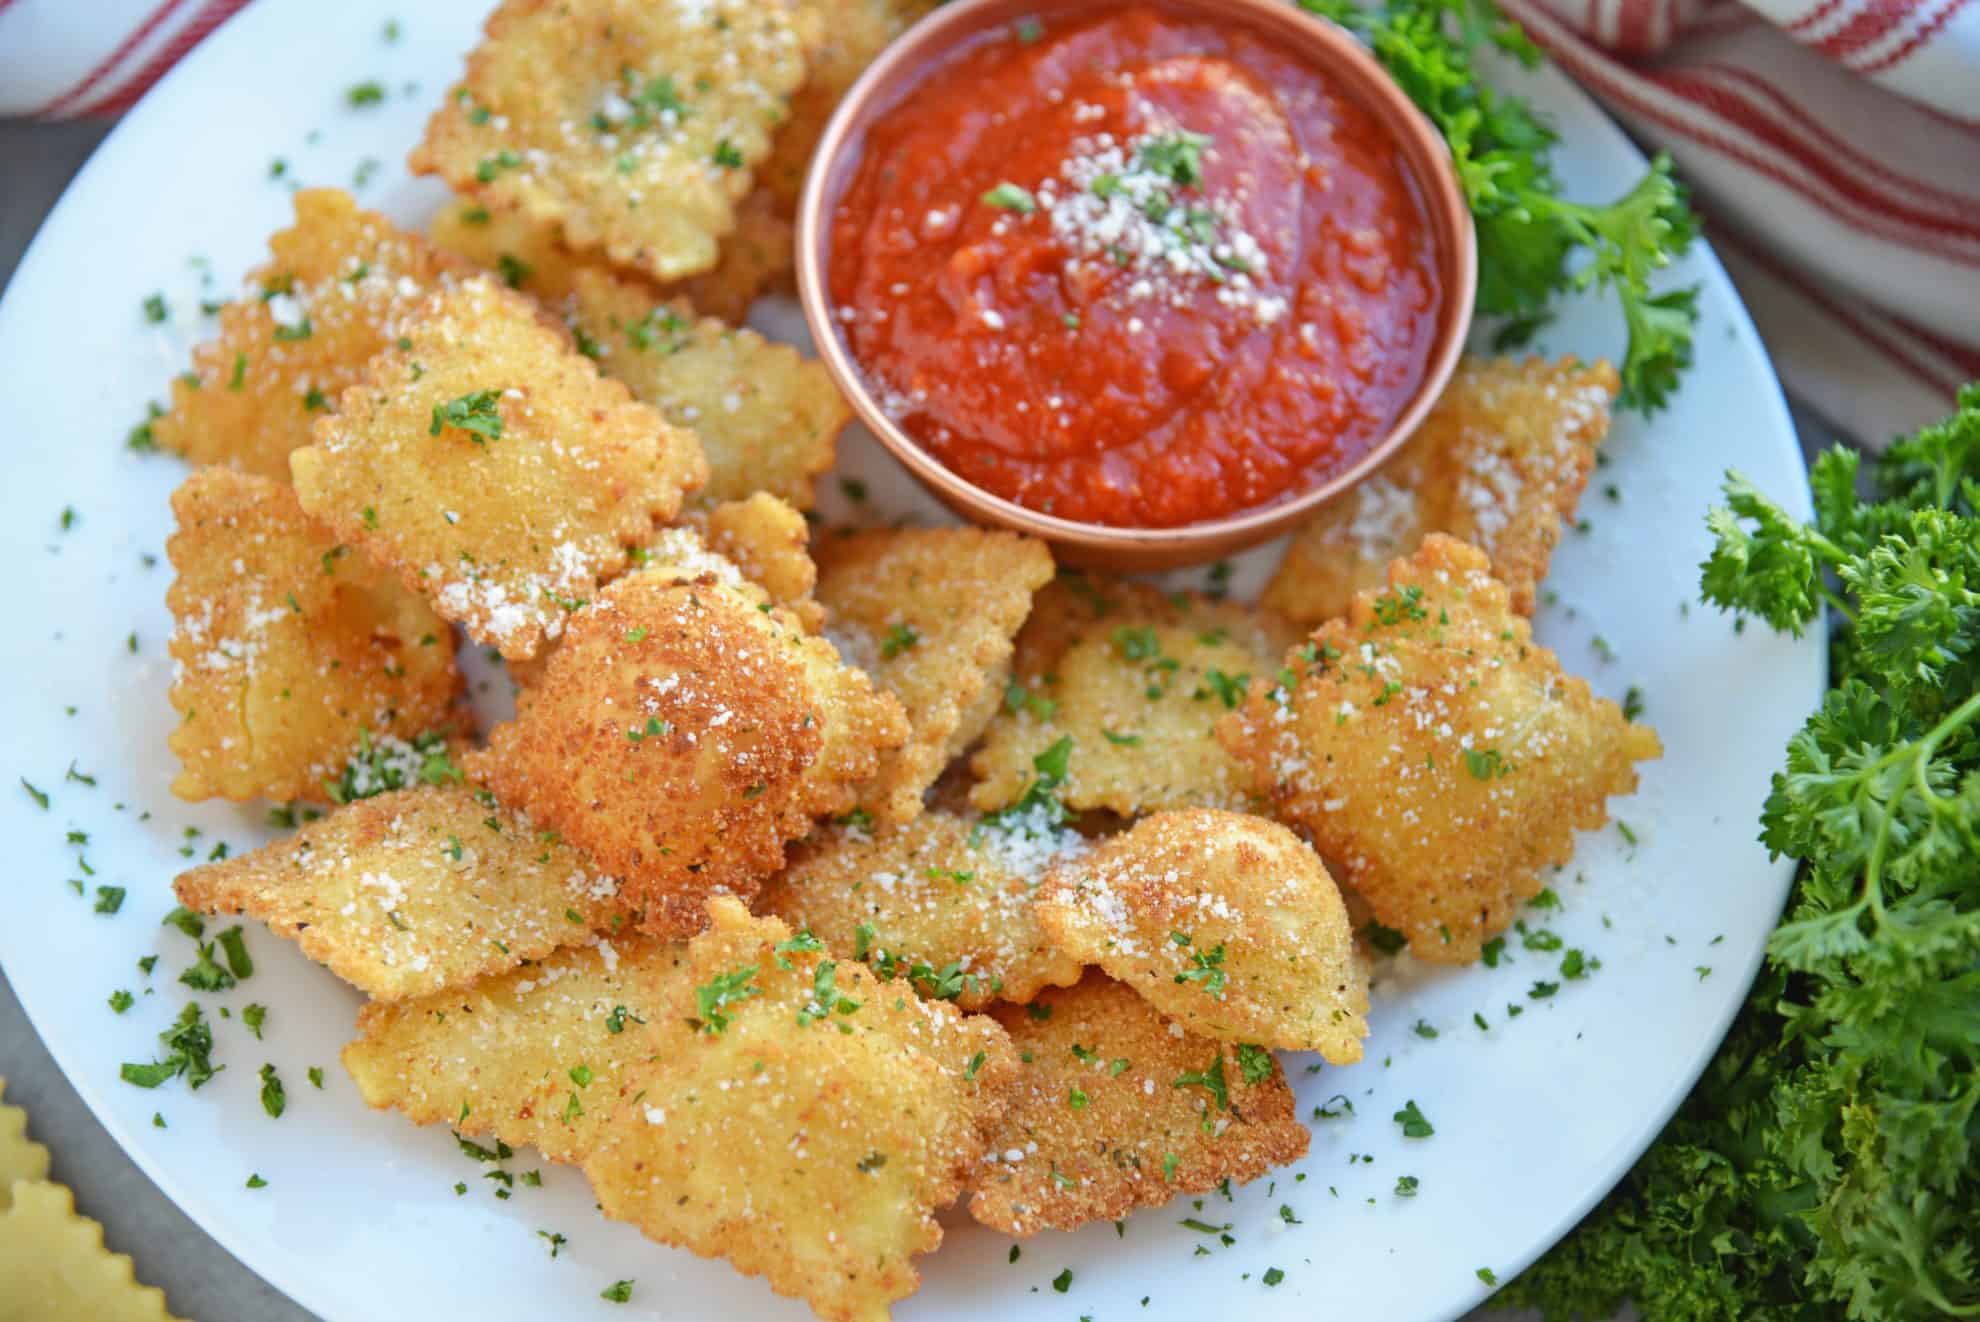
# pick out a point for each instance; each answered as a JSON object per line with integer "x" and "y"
{"x": 682, "y": 733}
{"x": 1137, "y": 679}
{"x": 768, "y": 541}
{"x": 528, "y": 254}
{"x": 768, "y": 418}
{"x": 759, "y": 542}
{"x": 532, "y": 256}
{"x": 1500, "y": 463}
{"x": 759, "y": 256}
{"x": 930, "y": 613}
{"x": 288, "y": 652}
{"x": 413, "y": 891}
{"x": 1438, "y": 754}
{"x": 1225, "y": 922}
{"x": 942, "y": 902}
{"x": 535, "y": 1057}
{"x": 336, "y": 288}
{"x": 492, "y": 467}
{"x": 631, "y": 125}
{"x": 801, "y": 1119}
{"x": 855, "y": 31}
{"x": 1116, "y": 1107}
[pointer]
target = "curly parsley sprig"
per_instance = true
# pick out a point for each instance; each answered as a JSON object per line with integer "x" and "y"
{"x": 1534, "y": 244}
{"x": 1826, "y": 1164}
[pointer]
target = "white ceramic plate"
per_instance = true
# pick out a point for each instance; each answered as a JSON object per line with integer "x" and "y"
{"x": 1535, "y": 1116}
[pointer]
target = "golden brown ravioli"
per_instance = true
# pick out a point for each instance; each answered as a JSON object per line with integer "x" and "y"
{"x": 291, "y": 656}
{"x": 684, "y": 731}
{"x": 1499, "y": 462}
{"x": 1430, "y": 747}
{"x": 800, "y": 1118}
{"x": 1117, "y": 1107}
{"x": 487, "y": 463}
{"x": 633, "y": 125}
{"x": 337, "y": 288}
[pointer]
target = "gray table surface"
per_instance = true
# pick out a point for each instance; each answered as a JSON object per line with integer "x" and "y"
{"x": 201, "y": 1279}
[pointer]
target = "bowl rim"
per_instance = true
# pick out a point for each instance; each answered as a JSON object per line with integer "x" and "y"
{"x": 1419, "y": 146}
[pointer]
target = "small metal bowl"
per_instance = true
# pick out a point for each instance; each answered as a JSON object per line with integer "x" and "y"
{"x": 1327, "y": 48}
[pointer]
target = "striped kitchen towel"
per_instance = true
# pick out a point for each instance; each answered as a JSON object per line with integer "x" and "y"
{"x": 1834, "y": 146}
{"x": 63, "y": 58}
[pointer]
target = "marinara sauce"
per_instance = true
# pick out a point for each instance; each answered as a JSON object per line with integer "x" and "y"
{"x": 1134, "y": 269}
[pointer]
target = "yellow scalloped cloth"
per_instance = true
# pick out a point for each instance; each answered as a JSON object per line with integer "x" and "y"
{"x": 53, "y": 1264}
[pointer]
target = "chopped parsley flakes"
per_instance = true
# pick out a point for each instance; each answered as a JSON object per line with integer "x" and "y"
{"x": 1008, "y": 196}
{"x": 474, "y": 413}
{"x": 189, "y": 1047}
{"x": 274, "y": 1098}
{"x": 726, "y": 989}
{"x": 1412, "y": 1121}
{"x": 1206, "y": 967}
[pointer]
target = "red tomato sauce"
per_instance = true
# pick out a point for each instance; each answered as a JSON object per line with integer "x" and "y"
{"x": 1134, "y": 269}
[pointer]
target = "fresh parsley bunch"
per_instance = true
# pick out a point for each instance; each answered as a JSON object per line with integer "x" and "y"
{"x": 1825, "y": 1165}
{"x": 1534, "y": 244}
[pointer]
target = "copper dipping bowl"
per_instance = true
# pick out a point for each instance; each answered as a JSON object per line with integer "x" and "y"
{"x": 1324, "y": 46}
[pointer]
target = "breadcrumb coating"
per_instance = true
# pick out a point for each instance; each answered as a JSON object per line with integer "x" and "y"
{"x": 1226, "y": 922}
{"x": 943, "y": 903}
{"x": 1117, "y": 1107}
{"x": 487, "y": 463}
{"x": 337, "y": 287}
{"x": 801, "y": 1119}
{"x": 1433, "y": 750}
{"x": 685, "y": 730}
{"x": 930, "y": 613}
{"x": 1137, "y": 679}
{"x": 289, "y": 654}
{"x": 633, "y": 125}
{"x": 1500, "y": 462}
{"x": 415, "y": 890}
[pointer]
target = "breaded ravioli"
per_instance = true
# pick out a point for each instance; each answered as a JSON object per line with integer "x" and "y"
{"x": 1499, "y": 462}
{"x": 800, "y": 1118}
{"x": 769, "y": 543}
{"x": 758, "y": 256}
{"x": 336, "y": 289}
{"x": 535, "y": 1057}
{"x": 415, "y": 890}
{"x": 1137, "y": 679}
{"x": 943, "y": 903}
{"x": 1116, "y": 1107}
{"x": 486, "y": 462}
{"x": 288, "y": 652}
{"x": 854, "y": 32}
{"x": 759, "y": 543}
{"x": 529, "y": 255}
{"x": 682, "y": 733}
{"x": 532, "y": 256}
{"x": 930, "y": 613}
{"x": 1226, "y": 922}
{"x": 633, "y": 125}
{"x": 1433, "y": 750}
{"x": 768, "y": 418}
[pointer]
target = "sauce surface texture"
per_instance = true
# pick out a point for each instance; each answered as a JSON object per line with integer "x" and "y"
{"x": 1134, "y": 269}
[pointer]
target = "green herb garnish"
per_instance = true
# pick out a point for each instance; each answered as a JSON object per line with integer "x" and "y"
{"x": 1825, "y": 1165}
{"x": 473, "y": 413}
{"x": 1533, "y": 244}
